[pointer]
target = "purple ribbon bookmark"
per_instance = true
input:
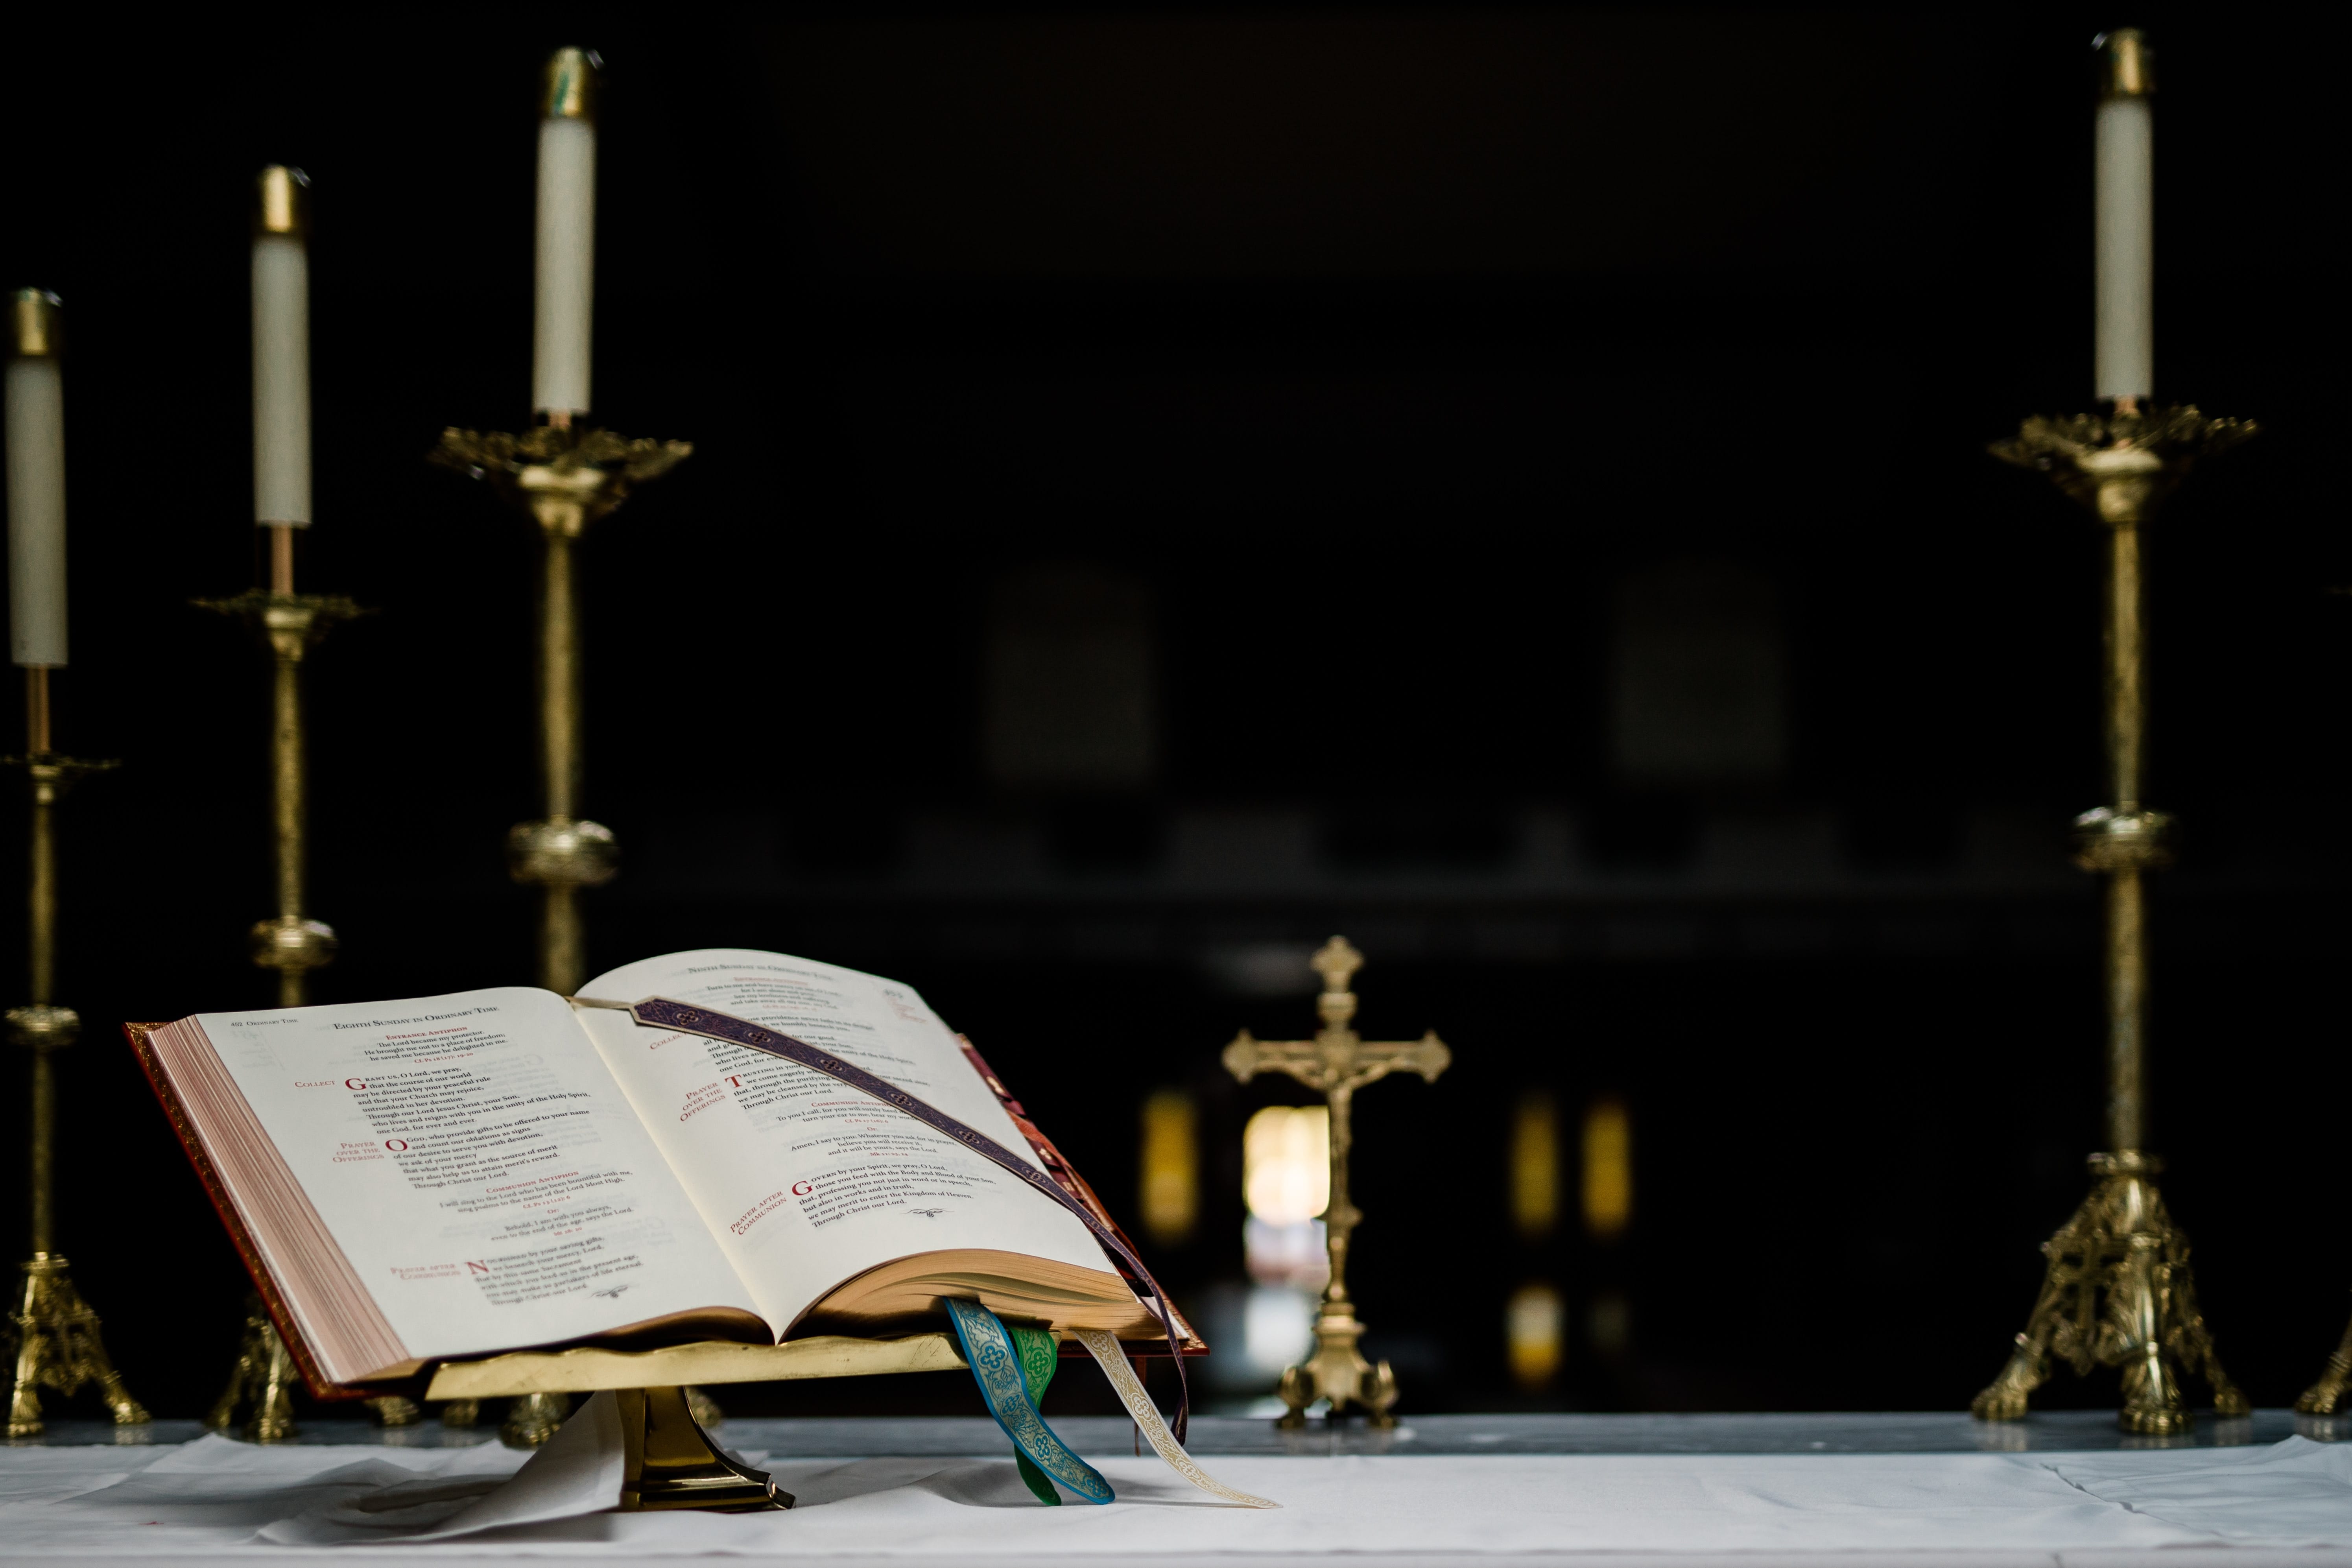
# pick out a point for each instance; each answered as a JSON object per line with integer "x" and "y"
{"x": 661, "y": 1012}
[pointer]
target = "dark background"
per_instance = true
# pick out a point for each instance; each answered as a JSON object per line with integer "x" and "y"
{"x": 1379, "y": 345}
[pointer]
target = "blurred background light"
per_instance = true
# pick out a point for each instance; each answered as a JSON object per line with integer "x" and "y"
{"x": 1535, "y": 1166}
{"x": 1608, "y": 1170}
{"x": 1171, "y": 1178}
{"x": 1534, "y": 1325}
{"x": 1286, "y": 1164}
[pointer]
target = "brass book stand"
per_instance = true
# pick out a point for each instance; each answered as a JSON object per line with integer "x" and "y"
{"x": 2118, "y": 1291}
{"x": 1337, "y": 1063}
{"x": 672, "y": 1463}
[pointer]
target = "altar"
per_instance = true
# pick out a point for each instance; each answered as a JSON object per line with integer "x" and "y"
{"x": 1921, "y": 1490}
{"x": 1166, "y": 491}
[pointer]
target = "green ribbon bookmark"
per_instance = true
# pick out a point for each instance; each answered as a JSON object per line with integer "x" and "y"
{"x": 1038, "y": 1355}
{"x": 1002, "y": 1367}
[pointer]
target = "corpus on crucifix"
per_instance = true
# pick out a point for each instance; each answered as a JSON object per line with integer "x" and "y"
{"x": 1338, "y": 1062}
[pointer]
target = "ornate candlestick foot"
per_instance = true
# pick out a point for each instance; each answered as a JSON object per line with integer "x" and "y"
{"x": 2323, "y": 1397}
{"x": 533, "y": 1419}
{"x": 461, "y": 1413}
{"x": 58, "y": 1342}
{"x": 59, "y": 1347}
{"x": 264, "y": 1377}
{"x": 395, "y": 1410}
{"x": 2118, "y": 1292}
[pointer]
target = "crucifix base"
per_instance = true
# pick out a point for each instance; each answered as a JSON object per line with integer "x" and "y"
{"x": 2118, "y": 1292}
{"x": 1338, "y": 1372}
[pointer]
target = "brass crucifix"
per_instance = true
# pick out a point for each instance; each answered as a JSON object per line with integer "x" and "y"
{"x": 1339, "y": 1063}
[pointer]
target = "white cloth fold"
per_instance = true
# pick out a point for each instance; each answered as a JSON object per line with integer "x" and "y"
{"x": 578, "y": 1471}
{"x": 2297, "y": 1493}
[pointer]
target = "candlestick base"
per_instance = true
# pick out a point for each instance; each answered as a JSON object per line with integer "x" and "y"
{"x": 264, "y": 1379}
{"x": 395, "y": 1410}
{"x": 2323, "y": 1397}
{"x": 2118, "y": 1292}
{"x": 59, "y": 1346}
{"x": 534, "y": 1418}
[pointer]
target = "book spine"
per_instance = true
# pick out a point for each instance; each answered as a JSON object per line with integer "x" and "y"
{"x": 247, "y": 1253}
{"x": 1065, "y": 1176}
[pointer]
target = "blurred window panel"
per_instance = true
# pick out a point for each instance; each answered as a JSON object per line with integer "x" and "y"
{"x": 1697, "y": 677}
{"x": 1295, "y": 1255}
{"x": 1286, "y": 1182}
{"x": 1535, "y": 1166}
{"x": 1286, "y": 1164}
{"x": 1171, "y": 1178}
{"x": 1535, "y": 1324}
{"x": 1608, "y": 1170}
{"x": 1277, "y": 1330}
{"x": 1070, "y": 691}
{"x": 1609, "y": 1324}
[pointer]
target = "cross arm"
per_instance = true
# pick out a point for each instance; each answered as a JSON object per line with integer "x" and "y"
{"x": 1248, "y": 1056}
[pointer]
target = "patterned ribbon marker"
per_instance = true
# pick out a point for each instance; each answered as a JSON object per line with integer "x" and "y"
{"x": 1039, "y": 1356}
{"x": 662, "y": 1013}
{"x": 996, "y": 1367}
{"x": 1108, "y": 1354}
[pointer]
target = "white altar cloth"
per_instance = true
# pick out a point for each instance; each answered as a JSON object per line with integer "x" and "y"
{"x": 2288, "y": 1503}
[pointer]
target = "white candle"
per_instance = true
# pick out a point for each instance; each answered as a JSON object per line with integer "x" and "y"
{"x": 567, "y": 237}
{"x": 37, "y": 482}
{"x": 281, "y": 354}
{"x": 2125, "y": 242}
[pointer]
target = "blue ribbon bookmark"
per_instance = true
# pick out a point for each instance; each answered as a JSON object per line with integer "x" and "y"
{"x": 995, "y": 1365}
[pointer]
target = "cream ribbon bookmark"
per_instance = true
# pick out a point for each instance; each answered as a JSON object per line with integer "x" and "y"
{"x": 1113, "y": 1361}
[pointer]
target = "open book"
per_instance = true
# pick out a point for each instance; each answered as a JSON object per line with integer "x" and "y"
{"x": 462, "y": 1176}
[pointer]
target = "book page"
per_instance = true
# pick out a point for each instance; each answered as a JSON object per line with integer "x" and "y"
{"x": 472, "y": 1158}
{"x": 804, "y": 1180}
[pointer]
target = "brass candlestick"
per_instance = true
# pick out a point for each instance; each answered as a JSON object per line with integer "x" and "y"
{"x": 2119, "y": 1290}
{"x": 1338, "y": 1062}
{"x": 58, "y": 1342}
{"x": 565, "y": 479}
{"x": 290, "y": 624}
